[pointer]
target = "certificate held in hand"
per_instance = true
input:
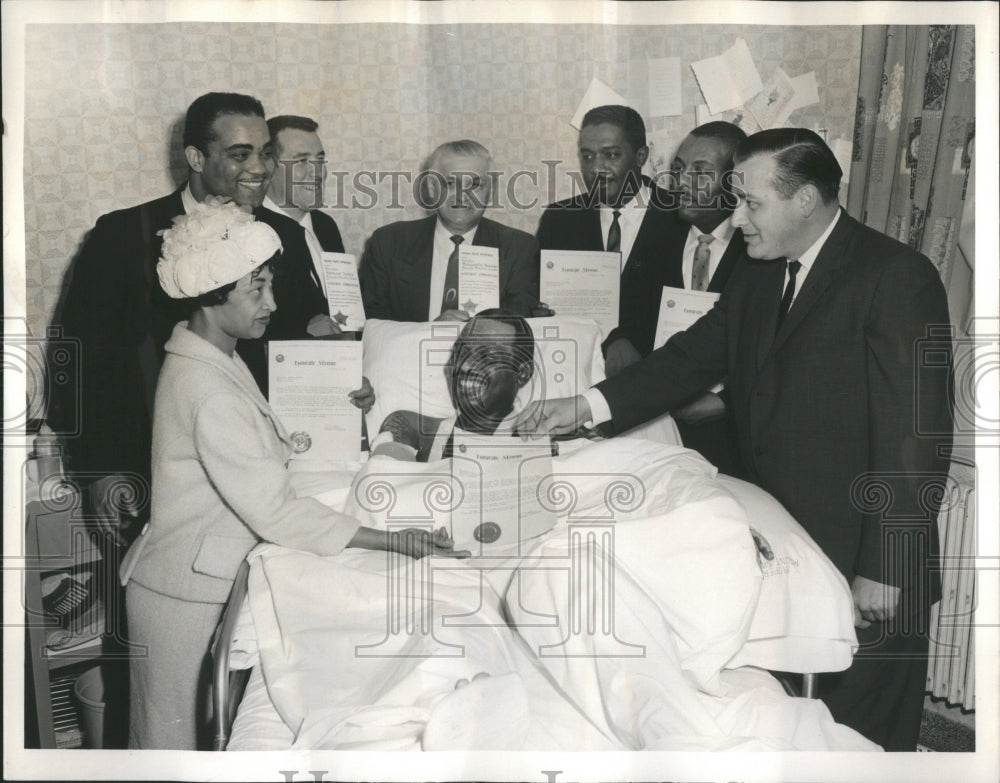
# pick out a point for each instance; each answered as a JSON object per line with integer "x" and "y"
{"x": 679, "y": 309}
{"x": 582, "y": 283}
{"x": 343, "y": 291}
{"x": 308, "y": 384}
{"x": 478, "y": 278}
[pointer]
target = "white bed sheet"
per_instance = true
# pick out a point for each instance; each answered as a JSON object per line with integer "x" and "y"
{"x": 686, "y": 588}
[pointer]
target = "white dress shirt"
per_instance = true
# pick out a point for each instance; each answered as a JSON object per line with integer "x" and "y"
{"x": 600, "y": 411}
{"x": 443, "y": 247}
{"x": 629, "y": 220}
{"x": 722, "y": 233}
{"x": 808, "y": 258}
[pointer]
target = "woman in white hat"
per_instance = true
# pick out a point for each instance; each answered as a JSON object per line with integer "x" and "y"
{"x": 220, "y": 479}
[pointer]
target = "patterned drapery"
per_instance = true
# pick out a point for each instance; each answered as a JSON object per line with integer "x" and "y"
{"x": 914, "y": 136}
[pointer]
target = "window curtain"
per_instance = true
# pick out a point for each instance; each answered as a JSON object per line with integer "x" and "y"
{"x": 914, "y": 135}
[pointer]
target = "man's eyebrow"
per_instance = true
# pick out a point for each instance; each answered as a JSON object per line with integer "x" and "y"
{"x": 239, "y": 147}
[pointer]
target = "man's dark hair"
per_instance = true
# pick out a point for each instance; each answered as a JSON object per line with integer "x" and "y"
{"x": 728, "y": 133}
{"x": 625, "y": 117}
{"x": 524, "y": 338}
{"x": 203, "y": 113}
{"x": 290, "y": 121}
{"x": 801, "y": 157}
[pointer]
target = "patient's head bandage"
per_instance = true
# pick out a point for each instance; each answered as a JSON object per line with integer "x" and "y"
{"x": 216, "y": 244}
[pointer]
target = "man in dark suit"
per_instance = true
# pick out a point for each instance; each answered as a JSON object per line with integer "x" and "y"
{"x": 116, "y": 309}
{"x": 296, "y": 190}
{"x": 409, "y": 270}
{"x": 621, "y": 211}
{"x": 818, "y": 334}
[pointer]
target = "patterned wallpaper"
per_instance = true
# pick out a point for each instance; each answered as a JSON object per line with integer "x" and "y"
{"x": 105, "y": 104}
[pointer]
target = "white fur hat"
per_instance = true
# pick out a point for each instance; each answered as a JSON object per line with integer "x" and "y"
{"x": 217, "y": 243}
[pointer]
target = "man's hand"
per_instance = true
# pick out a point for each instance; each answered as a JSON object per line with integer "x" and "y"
{"x": 552, "y": 417}
{"x": 707, "y": 407}
{"x": 621, "y": 353}
{"x": 417, "y": 543}
{"x": 322, "y": 326}
{"x": 873, "y": 601}
{"x": 453, "y": 315}
{"x": 364, "y": 397}
{"x": 114, "y": 505}
{"x": 542, "y": 310}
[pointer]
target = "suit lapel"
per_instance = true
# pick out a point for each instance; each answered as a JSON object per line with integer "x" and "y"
{"x": 824, "y": 270}
{"x": 764, "y": 317}
{"x": 417, "y": 263}
{"x": 734, "y": 250}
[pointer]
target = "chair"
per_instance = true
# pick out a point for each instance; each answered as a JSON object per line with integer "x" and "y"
{"x": 227, "y": 686}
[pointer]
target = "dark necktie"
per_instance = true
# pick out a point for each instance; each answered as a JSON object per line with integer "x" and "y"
{"x": 615, "y": 234}
{"x": 699, "y": 270}
{"x": 450, "y": 299}
{"x": 789, "y": 295}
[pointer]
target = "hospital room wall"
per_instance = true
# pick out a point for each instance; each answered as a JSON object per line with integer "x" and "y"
{"x": 105, "y": 102}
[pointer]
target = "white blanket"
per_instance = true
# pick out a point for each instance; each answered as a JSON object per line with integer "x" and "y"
{"x": 613, "y": 634}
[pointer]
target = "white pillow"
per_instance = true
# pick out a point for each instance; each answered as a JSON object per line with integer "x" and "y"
{"x": 405, "y": 363}
{"x": 804, "y": 621}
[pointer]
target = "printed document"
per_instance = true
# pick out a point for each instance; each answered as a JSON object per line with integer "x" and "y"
{"x": 582, "y": 283}
{"x": 343, "y": 291}
{"x": 308, "y": 384}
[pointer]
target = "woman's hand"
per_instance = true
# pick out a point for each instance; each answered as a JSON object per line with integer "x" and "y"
{"x": 418, "y": 543}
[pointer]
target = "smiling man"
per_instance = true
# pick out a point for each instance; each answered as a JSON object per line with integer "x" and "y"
{"x": 818, "y": 333}
{"x": 116, "y": 309}
{"x": 409, "y": 270}
{"x": 621, "y": 210}
{"x": 296, "y": 190}
{"x": 492, "y": 358}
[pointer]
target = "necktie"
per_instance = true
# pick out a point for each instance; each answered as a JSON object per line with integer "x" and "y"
{"x": 615, "y": 234}
{"x": 702, "y": 255}
{"x": 786, "y": 298}
{"x": 450, "y": 299}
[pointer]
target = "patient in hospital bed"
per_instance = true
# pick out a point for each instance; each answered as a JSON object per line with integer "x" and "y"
{"x": 645, "y": 618}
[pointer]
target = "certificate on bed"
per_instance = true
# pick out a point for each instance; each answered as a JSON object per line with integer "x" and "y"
{"x": 679, "y": 308}
{"x": 582, "y": 283}
{"x": 500, "y": 479}
{"x": 478, "y": 278}
{"x": 343, "y": 291}
{"x": 308, "y": 383}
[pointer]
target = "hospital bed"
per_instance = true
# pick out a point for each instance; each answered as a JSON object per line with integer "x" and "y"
{"x": 707, "y": 668}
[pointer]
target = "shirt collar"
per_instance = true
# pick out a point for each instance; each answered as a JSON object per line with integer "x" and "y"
{"x": 188, "y": 201}
{"x": 440, "y": 232}
{"x": 722, "y": 232}
{"x": 639, "y": 201}
{"x": 807, "y": 258}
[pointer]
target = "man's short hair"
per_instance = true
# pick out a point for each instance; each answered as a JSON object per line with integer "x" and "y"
{"x": 425, "y": 197}
{"x": 524, "y": 338}
{"x": 625, "y": 117}
{"x": 276, "y": 125}
{"x": 728, "y": 133}
{"x": 203, "y": 113}
{"x": 802, "y": 158}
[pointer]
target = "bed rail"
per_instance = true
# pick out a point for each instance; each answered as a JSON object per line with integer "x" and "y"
{"x": 227, "y": 686}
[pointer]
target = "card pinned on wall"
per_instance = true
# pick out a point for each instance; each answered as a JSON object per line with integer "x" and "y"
{"x": 806, "y": 93}
{"x": 767, "y": 105}
{"x": 597, "y": 94}
{"x": 728, "y": 80}
{"x": 665, "y": 87}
